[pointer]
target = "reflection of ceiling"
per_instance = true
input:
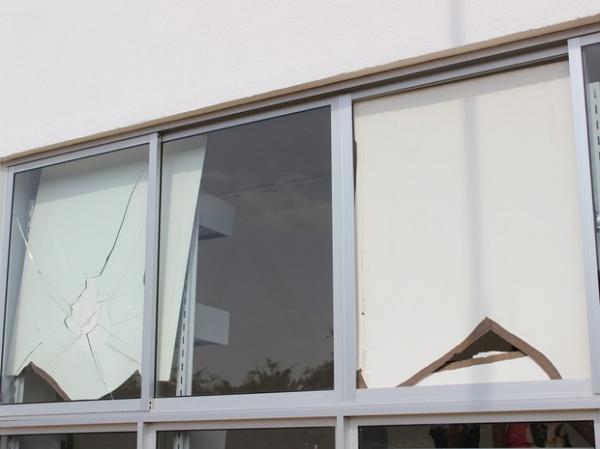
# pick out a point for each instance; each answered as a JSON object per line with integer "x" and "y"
{"x": 273, "y": 273}
{"x": 267, "y": 153}
{"x": 592, "y": 63}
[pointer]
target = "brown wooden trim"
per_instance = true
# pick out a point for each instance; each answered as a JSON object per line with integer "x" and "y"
{"x": 54, "y": 385}
{"x": 482, "y": 360}
{"x": 360, "y": 380}
{"x": 50, "y": 380}
{"x": 487, "y": 325}
{"x": 332, "y": 84}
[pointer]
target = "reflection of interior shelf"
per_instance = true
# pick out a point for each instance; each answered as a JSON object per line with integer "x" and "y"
{"x": 215, "y": 217}
{"x": 593, "y": 105}
{"x": 211, "y": 326}
{"x": 215, "y": 220}
{"x": 199, "y": 324}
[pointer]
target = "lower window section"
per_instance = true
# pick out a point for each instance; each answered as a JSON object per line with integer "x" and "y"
{"x": 290, "y": 438}
{"x": 71, "y": 441}
{"x": 478, "y": 435}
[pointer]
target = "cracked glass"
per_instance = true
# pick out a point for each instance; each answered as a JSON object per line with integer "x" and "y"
{"x": 74, "y": 304}
{"x": 245, "y": 281}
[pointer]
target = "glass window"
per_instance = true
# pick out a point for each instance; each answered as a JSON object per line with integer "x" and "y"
{"x": 472, "y": 435}
{"x": 469, "y": 236}
{"x": 245, "y": 282}
{"x": 292, "y": 438}
{"x": 73, "y": 324}
{"x": 71, "y": 441}
{"x": 591, "y": 62}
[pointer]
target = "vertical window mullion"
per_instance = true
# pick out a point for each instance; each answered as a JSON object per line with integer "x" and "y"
{"x": 146, "y": 436}
{"x": 151, "y": 273}
{"x": 4, "y": 248}
{"x": 344, "y": 272}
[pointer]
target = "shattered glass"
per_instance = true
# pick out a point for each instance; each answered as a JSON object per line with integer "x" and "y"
{"x": 76, "y": 280}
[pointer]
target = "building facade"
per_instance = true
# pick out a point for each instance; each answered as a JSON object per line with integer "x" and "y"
{"x": 345, "y": 225}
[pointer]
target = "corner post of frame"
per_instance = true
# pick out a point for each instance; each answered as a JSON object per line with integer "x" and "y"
{"x": 151, "y": 273}
{"x": 344, "y": 253}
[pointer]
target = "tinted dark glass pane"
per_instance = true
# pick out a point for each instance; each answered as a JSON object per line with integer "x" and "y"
{"x": 591, "y": 59}
{"x": 475, "y": 435}
{"x": 591, "y": 62}
{"x": 72, "y": 441}
{"x": 261, "y": 259}
{"x": 301, "y": 438}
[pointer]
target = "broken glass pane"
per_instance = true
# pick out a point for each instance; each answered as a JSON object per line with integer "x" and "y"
{"x": 76, "y": 280}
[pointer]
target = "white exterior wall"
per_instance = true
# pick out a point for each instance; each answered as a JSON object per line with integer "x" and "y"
{"x": 74, "y": 68}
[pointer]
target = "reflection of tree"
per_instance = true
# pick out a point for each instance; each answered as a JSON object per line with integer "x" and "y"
{"x": 269, "y": 377}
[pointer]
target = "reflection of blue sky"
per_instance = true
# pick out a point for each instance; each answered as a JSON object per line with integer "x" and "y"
{"x": 274, "y": 273}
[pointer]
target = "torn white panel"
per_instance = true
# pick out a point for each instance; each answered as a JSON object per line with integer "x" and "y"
{"x": 78, "y": 316}
{"x": 181, "y": 175}
{"x": 467, "y": 207}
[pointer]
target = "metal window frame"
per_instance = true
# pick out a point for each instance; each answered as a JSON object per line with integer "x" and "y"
{"x": 12, "y": 410}
{"x": 518, "y": 390}
{"x": 344, "y": 407}
{"x": 339, "y": 257}
{"x": 152, "y": 430}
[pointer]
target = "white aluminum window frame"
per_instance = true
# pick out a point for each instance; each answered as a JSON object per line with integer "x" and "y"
{"x": 344, "y": 407}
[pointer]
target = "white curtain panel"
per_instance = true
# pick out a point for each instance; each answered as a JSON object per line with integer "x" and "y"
{"x": 467, "y": 207}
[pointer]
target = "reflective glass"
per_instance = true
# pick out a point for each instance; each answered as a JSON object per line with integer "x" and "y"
{"x": 291, "y": 438}
{"x": 245, "y": 282}
{"x": 591, "y": 63}
{"x": 71, "y": 441}
{"x": 476, "y": 435}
